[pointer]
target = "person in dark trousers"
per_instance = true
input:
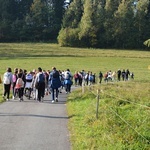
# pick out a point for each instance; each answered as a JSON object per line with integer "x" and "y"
{"x": 21, "y": 73}
{"x": 7, "y": 81}
{"x": 127, "y": 74}
{"x": 40, "y": 84}
{"x": 132, "y": 75}
{"x": 123, "y": 75}
{"x": 15, "y": 77}
{"x": 20, "y": 86}
{"x": 54, "y": 83}
{"x": 68, "y": 81}
{"x": 94, "y": 78}
{"x": 100, "y": 77}
{"x": 119, "y": 74}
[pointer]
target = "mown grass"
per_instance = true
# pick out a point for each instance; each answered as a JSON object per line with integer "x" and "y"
{"x": 109, "y": 132}
{"x": 123, "y": 120}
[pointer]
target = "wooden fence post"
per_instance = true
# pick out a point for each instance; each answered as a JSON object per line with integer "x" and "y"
{"x": 98, "y": 97}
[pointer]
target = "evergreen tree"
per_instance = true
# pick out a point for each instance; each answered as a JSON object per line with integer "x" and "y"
{"x": 110, "y": 9}
{"x": 56, "y": 15}
{"x": 37, "y": 19}
{"x": 142, "y": 22}
{"x": 73, "y": 14}
{"x": 87, "y": 33}
{"x": 12, "y": 15}
{"x": 99, "y": 18}
{"x": 18, "y": 25}
{"x": 44, "y": 19}
{"x": 123, "y": 28}
{"x": 8, "y": 14}
{"x": 68, "y": 35}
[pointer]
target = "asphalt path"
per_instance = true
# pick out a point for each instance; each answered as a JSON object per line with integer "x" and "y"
{"x": 30, "y": 125}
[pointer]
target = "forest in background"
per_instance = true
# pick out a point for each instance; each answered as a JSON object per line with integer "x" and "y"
{"x": 77, "y": 23}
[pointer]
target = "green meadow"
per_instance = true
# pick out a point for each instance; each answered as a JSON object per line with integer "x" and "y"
{"x": 124, "y": 111}
{"x": 32, "y": 55}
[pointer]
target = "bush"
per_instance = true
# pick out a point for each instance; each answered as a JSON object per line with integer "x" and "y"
{"x": 69, "y": 37}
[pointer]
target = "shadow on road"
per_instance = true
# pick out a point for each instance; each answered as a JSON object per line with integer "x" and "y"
{"x": 32, "y": 115}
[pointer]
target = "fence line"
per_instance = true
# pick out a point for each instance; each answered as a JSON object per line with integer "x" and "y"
{"x": 129, "y": 125}
{"x": 115, "y": 97}
{"x": 128, "y": 101}
{"x": 98, "y": 98}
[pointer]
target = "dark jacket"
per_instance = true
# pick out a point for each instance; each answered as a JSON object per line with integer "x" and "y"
{"x": 54, "y": 80}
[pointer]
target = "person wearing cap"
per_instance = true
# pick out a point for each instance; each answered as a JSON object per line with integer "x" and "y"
{"x": 54, "y": 84}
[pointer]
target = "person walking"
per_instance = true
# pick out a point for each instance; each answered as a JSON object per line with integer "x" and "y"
{"x": 15, "y": 77}
{"x": 127, "y": 74}
{"x": 20, "y": 86}
{"x": 54, "y": 84}
{"x": 22, "y": 75}
{"x": 28, "y": 84}
{"x": 68, "y": 81}
{"x": 119, "y": 74}
{"x": 40, "y": 84}
{"x": 7, "y": 81}
{"x": 100, "y": 77}
{"x": 76, "y": 78}
{"x": 34, "y": 89}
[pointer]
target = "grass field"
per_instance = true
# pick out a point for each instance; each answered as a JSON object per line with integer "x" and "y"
{"x": 29, "y": 56}
{"x": 123, "y": 118}
{"x": 109, "y": 132}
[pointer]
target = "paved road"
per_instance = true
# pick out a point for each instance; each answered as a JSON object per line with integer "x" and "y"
{"x": 31, "y": 125}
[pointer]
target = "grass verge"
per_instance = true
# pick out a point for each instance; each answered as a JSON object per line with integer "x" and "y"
{"x": 123, "y": 119}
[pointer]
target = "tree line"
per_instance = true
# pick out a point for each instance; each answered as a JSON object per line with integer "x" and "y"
{"x": 30, "y": 20}
{"x": 77, "y": 23}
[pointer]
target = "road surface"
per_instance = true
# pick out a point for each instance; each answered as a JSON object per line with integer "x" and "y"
{"x": 30, "y": 125}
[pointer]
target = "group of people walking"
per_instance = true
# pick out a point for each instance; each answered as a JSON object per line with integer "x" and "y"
{"x": 88, "y": 78}
{"x": 116, "y": 75}
{"x": 36, "y": 84}
{"x": 39, "y": 82}
{"x": 84, "y": 78}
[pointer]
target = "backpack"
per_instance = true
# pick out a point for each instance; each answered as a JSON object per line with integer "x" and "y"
{"x": 91, "y": 78}
{"x": 56, "y": 74}
{"x": 67, "y": 76}
{"x": 41, "y": 78}
{"x": 6, "y": 79}
{"x": 14, "y": 78}
{"x": 19, "y": 83}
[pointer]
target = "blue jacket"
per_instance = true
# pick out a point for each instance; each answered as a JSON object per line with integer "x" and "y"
{"x": 68, "y": 81}
{"x": 54, "y": 82}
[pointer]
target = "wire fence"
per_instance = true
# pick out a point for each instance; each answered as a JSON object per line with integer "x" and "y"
{"x": 96, "y": 91}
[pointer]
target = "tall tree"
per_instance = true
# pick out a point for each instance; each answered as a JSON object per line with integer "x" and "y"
{"x": 37, "y": 18}
{"x": 87, "y": 32}
{"x": 110, "y": 9}
{"x": 123, "y": 27}
{"x": 45, "y": 18}
{"x": 56, "y": 15}
{"x": 99, "y": 18}
{"x": 68, "y": 35}
{"x": 142, "y": 22}
{"x": 73, "y": 14}
{"x": 8, "y": 13}
{"x": 12, "y": 14}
